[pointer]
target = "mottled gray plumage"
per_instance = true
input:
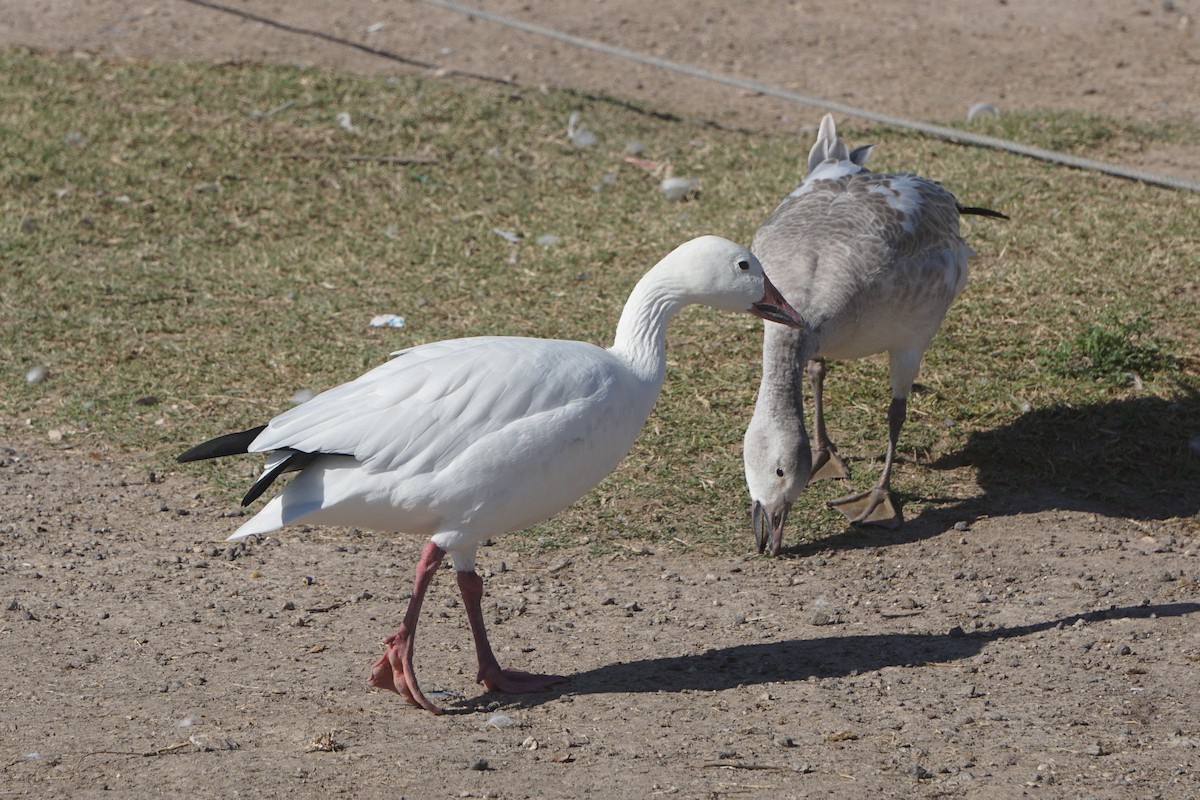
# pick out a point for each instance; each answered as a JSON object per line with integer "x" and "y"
{"x": 872, "y": 262}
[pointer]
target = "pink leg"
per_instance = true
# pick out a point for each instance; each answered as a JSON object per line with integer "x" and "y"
{"x": 490, "y": 675}
{"x": 394, "y": 669}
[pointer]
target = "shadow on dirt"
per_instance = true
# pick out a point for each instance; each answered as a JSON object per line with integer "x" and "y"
{"x": 1128, "y": 458}
{"x": 1134, "y": 459}
{"x": 800, "y": 659}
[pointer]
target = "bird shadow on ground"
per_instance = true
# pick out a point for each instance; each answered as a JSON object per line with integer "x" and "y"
{"x": 800, "y": 659}
{"x": 1133, "y": 459}
{"x": 1128, "y": 458}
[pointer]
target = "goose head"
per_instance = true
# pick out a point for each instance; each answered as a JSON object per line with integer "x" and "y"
{"x": 723, "y": 274}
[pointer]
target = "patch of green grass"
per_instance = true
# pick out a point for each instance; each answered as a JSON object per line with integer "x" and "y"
{"x": 183, "y": 263}
{"x": 1113, "y": 350}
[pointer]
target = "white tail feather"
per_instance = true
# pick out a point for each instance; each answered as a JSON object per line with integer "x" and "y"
{"x": 828, "y": 146}
{"x": 265, "y": 521}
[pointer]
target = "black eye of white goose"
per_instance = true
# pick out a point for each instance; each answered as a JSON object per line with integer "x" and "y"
{"x": 743, "y": 264}
{"x": 779, "y": 471}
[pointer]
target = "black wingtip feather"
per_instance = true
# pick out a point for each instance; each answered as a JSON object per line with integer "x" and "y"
{"x": 981, "y": 212}
{"x": 231, "y": 444}
{"x": 293, "y": 463}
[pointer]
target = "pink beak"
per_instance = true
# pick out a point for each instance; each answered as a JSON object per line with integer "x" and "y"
{"x": 774, "y": 308}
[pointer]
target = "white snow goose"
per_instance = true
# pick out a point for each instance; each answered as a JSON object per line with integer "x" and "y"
{"x": 872, "y": 262}
{"x": 465, "y": 439}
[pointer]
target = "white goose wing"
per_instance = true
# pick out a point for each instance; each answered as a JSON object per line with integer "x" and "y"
{"x": 420, "y": 410}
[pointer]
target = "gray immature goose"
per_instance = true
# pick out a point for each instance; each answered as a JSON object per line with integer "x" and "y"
{"x": 872, "y": 262}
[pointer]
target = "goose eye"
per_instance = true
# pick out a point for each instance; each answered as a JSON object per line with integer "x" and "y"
{"x": 743, "y": 264}
{"x": 779, "y": 471}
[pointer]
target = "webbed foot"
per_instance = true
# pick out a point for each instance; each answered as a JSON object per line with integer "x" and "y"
{"x": 872, "y": 507}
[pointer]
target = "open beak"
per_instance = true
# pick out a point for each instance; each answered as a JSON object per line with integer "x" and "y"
{"x": 768, "y": 527}
{"x": 774, "y": 308}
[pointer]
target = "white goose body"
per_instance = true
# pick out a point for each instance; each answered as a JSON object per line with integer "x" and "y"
{"x": 872, "y": 263}
{"x": 459, "y": 440}
{"x": 465, "y": 439}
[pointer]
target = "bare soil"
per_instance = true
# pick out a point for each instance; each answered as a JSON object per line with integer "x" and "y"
{"x": 1022, "y": 645}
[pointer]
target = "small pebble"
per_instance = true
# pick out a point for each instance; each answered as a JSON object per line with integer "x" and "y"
{"x": 36, "y": 374}
{"x": 478, "y": 764}
{"x": 500, "y": 720}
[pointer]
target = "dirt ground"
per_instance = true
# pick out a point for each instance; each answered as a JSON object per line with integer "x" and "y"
{"x": 1023, "y": 646}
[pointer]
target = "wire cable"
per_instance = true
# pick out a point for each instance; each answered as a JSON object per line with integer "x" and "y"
{"x": 938, "y": 131}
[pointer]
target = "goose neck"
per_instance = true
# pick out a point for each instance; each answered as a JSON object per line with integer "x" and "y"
{"x": 785, "y": 356}
{"x": 642, "y": 331}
